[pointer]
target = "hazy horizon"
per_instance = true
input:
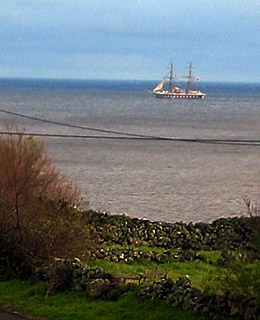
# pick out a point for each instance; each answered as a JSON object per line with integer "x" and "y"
{"x": 122, "y": 80}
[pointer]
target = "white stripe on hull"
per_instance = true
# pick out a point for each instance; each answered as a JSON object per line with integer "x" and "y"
{"x": 179, "y": 96}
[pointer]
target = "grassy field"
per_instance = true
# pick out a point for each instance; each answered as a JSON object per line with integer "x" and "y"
{"x": 199, "y": 271}
{"x": 30, "y": 297}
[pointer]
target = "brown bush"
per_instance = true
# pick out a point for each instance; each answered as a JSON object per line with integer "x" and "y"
{"x": 38, "y": 215}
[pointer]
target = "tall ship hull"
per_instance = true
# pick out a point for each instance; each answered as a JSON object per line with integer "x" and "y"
{"x": 175, "y": 92}
{"x": 172, "y": 95}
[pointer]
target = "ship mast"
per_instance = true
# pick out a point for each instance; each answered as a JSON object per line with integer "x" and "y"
{"x": 171, "y": 77}
{"x": 189, "y": 77}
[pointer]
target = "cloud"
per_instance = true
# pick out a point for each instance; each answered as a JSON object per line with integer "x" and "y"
{"x": 150, "y": 31}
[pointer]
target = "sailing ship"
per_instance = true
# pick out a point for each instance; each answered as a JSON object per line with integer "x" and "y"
{"x": 175, "y": 92}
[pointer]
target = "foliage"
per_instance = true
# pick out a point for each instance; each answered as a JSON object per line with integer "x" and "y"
{"x": 38, "y": 220}
{"x": 30, "y": 297}
{"x": 236, "y": 275}
{"x": 60, "y": 274}
{"x": 240, "y": 272}
{"x": 243, "y": 279}
{"x": 240, "y": 276}
{"x": 254, "y": 214}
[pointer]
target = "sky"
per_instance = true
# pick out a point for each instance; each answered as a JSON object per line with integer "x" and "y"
{"x": 130, "y": 39}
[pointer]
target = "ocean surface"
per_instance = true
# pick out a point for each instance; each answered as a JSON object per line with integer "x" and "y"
{"x": 153, "y": 179}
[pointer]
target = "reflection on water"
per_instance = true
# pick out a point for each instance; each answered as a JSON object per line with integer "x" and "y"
{"x": 159, "y": 180}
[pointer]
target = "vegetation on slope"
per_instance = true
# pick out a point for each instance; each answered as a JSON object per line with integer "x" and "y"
{"x": 30, "y": 297}
{"x": 42, "y": 232}
{"x": 38, "y": 219}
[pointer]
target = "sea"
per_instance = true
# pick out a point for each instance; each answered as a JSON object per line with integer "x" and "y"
{"x": 188, "y": 178}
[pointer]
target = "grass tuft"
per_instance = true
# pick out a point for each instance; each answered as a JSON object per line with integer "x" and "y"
{"x": 30, "y": 297}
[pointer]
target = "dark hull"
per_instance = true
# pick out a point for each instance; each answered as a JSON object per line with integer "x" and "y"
{"x": 179, "y": 96}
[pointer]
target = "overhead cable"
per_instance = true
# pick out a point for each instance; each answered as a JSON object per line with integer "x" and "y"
{"x": 198, "y": 140}
{"x": 76, "y": 126}
{"x": 123, "y": 135}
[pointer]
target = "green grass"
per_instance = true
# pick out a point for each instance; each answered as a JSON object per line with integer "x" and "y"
{"x": 209, "y": 256}
{"x": 198, "y": 271}
{"x": 29, "y": 297}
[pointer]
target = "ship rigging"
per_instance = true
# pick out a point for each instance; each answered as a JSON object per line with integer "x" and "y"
{"x": 175, "y": 92}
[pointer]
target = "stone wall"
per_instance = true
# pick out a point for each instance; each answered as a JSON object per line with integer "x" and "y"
{"x": 183, "y": 296}
{"x": 101, "y": 285}
{"x": 229, "y": 234}
{"x": 123, "y": 237}
{"x": 131, "y": 254}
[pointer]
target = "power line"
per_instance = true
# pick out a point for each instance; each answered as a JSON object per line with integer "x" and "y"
{"x": 123, "y": 135}
{"x": 71, "y": 136}
{"x": 206, "y": 141}
{"x": 77, "y": 126}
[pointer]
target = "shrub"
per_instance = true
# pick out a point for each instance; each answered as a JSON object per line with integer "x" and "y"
{"x": 240, "y": 278}
{"x": 38, "y": 216}
{"x": 240, "y": 272}
{"x": 254, "y": 214}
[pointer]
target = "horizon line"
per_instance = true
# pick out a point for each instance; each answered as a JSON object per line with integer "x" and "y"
{"x": 118, "y": 79}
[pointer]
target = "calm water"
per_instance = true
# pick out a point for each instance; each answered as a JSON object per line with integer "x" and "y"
{"x": 159, "y": 180}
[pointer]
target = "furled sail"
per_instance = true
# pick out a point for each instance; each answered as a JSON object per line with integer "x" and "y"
{"x": 159, "y": 86}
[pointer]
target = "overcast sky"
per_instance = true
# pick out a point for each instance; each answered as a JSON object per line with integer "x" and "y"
{"x": 130, "y": 39}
